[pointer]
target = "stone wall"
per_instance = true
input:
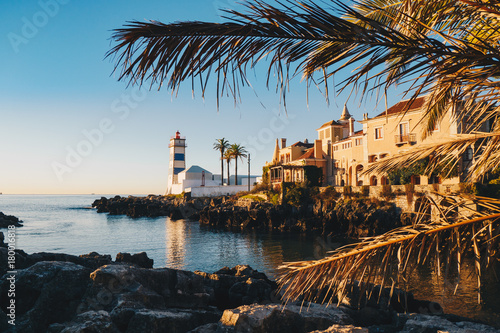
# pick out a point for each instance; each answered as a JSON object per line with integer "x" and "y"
{"x": 409, "y": 202}
{"x": 216, "y": 191}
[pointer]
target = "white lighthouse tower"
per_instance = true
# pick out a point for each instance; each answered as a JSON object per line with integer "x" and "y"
{"x": 177, "y": 159}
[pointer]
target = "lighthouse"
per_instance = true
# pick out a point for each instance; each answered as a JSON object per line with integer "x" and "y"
{"x": 177, "y": 159}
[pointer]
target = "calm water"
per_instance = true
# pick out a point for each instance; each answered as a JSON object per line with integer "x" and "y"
{"x": 67, "y": 224}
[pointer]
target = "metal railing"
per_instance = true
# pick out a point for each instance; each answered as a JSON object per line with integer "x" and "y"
{"x": 406, "y": 138}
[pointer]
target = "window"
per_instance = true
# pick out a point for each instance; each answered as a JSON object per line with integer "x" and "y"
{"x": 347, "y": 145}
{"x": 358, "y": 142}
{"x": 379, "y": 134}
{"x": 468, "y": 154}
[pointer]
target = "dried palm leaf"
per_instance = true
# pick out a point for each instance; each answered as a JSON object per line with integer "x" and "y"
{"x": 392, "y": 256}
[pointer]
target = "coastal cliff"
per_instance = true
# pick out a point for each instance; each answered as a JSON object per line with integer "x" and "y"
{"x": 350, "y": 217}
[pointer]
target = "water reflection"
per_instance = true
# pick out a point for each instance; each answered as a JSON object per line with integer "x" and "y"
{"x": 426, "y": 284}
{"x": 175, "y": 243}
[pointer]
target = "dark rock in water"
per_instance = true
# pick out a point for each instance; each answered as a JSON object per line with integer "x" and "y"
{"x": 7, "y": 220}
{"x": 95, "y": 260}
{"x": 140, "y": 259}
{"x": 92, "y": 260}
{"x": 151, "y": 206}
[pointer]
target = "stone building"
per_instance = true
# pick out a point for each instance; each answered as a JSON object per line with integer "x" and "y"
{"x": 344, "y": 153}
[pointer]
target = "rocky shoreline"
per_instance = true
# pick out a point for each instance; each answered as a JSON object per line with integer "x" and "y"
{"x": 8, "y": 220}
{"x": 351, "y": 218}
{"x": 56, "y": 292}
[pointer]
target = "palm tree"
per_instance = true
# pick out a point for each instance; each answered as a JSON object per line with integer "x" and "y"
{"x": 228, "y": 156}
{"x": 237, "y": 151}
{"x": 221, "y": 145}
{"x": 447, "y": 49}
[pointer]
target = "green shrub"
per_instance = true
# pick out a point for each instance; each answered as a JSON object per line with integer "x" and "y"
{"x": 274, "y": 198}
{"x": 252, "y": 197}
{"x": 468, "y": 188}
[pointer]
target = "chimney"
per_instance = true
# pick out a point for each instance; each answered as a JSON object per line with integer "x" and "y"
{"x": 318, "y": 150}
{"x": 351, "y": 126}
{"x": 283, "y": 143}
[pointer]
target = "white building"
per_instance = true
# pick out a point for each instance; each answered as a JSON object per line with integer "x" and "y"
{"x": 197, "y": 180}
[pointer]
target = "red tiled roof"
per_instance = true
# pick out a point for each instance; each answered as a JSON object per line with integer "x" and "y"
{"x": 302, "y": 144}
{"x": 308, "y": 154}
{"x": 403, "y": 107}
{"x": 330, "y": 123}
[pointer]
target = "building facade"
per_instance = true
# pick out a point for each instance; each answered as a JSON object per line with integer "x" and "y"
{"x": 343, "y": 153}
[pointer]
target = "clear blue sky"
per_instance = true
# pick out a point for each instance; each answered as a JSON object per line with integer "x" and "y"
{"x": 59, "y": 100}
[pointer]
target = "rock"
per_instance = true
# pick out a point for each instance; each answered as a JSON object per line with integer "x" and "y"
{"x": 92, "y": 260}
{"x": 95, "y": 260}
{"x": 140, "y": 259}
{"x": 240, "y": 285}
{"x": 172, "y": 320}
{"x": 343, "y": 329}
{"x": 91, "y": 321}
{"x": 151, "y": 206}
{"x": 129, "y": 284}
{"x": 7, "y": 220}
{"x": 46, "y": 293}
{"x": 419, "y": 323}
{"x": 273, "y": 318}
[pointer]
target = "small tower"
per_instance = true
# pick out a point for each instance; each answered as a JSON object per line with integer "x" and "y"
{"x": 177, "y": 161}
{"x": 347, "y": 122}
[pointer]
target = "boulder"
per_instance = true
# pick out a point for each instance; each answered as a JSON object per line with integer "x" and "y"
{"x": 274, "y": 318}
{"x": 46, "y": 293}
{"x": 92, "y": 260}
{"x": 7, "y": 220}
{"x": 176, "y": 288}
{"x": 343, "y": 329}
{"x": 140, "y": 259}
{"x": 171, "y": 320}
{"x": 420, "y": 323}
{"x": 91, "y": 321}
{"x": 240, "y": 285}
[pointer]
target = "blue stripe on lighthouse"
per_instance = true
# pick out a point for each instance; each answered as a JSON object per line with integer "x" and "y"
{"x": 179, "y": 157}
{"x": 177, "y": 170}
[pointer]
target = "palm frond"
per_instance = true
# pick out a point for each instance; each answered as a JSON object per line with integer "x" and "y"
{"x": 393, "y": 256}
{"x": 299, "y": 37}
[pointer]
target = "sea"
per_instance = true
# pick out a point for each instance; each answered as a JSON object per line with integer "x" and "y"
{"x": 68, "y": 224}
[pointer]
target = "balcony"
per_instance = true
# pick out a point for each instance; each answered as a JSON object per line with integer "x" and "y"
{"x": 410, "y": 138}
